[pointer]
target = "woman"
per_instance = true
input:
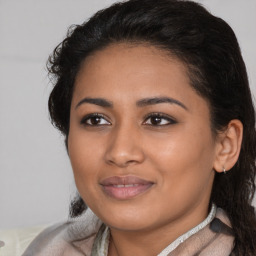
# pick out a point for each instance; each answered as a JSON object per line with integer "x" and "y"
{"x": 154, "y": 103}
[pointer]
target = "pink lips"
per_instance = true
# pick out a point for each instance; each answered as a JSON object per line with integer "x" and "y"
{"x": 125, "y": 187}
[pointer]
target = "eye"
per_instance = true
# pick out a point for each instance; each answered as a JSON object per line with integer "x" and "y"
{"x": 159, "y": 119}
{"x": 95, "y": 120}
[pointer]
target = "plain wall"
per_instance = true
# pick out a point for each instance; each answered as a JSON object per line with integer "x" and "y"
{"x": 36, "y": 182}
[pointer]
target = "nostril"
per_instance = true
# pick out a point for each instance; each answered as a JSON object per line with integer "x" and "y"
{"x": 123, "y": 160}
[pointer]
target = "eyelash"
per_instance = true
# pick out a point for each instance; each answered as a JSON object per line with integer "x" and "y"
{"x": 168, "y": 120}
{"x": 91, "y": 116}
{"x": 160, "y": 116}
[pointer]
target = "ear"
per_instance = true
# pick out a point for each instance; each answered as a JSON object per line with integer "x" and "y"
{"x": 228, "y": 146}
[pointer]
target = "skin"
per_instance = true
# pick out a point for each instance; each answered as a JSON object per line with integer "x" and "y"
{"x": 177, "y": 151}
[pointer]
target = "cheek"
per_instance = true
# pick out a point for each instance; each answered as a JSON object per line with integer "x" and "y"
{"x": 84, "y": 156}
{"x": 179, "y": 149}
{"x": 185, "y": 160}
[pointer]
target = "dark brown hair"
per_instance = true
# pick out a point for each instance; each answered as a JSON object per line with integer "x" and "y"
{"x": 208, "y": 47}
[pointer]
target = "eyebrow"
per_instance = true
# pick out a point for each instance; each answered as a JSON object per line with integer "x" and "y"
{"x": 141, "y": 103}
{"x": 159, "y": 100}
{"x": 96, "y": 101}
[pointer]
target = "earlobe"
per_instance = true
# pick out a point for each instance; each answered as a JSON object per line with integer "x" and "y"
{"x": 228, "y": 146}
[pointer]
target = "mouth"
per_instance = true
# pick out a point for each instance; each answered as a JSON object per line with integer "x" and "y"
{"x": 125, "y": 187}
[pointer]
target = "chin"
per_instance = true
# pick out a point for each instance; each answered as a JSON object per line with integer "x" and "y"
{"x": 129, "y": 225}
{"x": 127, "y": 219}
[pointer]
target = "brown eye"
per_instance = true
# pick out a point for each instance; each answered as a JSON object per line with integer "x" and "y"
{"x": 94, "y": 120}
{"x": 155, "y": 120}
{"x": 159, "y": 120}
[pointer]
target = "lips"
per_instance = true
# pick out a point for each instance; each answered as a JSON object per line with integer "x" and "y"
{"x": 125, "y": 187}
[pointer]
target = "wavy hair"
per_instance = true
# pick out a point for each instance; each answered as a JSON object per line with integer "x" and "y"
{"x": 208, "y": 47}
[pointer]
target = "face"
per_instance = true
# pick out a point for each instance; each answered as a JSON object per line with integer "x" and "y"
{"x": 140, "y": 141}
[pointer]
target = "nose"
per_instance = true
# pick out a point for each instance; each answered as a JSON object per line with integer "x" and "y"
{"x": 124, "y": 147}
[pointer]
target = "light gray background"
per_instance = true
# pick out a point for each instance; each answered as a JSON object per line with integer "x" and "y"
{"x": 36, "y": 181}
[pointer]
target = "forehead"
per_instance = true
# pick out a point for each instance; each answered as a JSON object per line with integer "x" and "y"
{"x": 130, "y": 66}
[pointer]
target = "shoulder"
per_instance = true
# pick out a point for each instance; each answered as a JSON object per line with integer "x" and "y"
{"x": 72, "y": 238}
